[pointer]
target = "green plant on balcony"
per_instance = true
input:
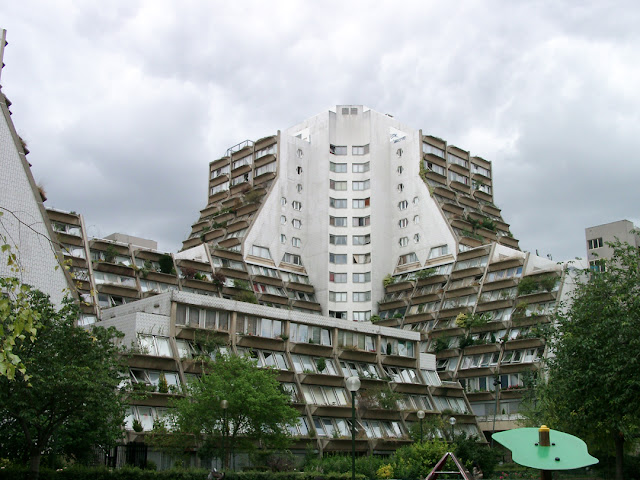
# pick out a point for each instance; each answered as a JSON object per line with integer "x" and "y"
{"x": 246, "y": 296}
{"x": 110, "y": 254}
{"x": 200, "y": 276}
{"x": 321, "y": 364}
{"x": 163, "y": 386}
{"x": 388, "y": 280}
{"x": 520, "y": 311}
{"x": 375, "y": 318}
{"x": 426, "y": 273}
{"x": 548, "y": 282}
{"x": 166, "y": 264}
{"x": 528, "y": 285}
{"x": 252, "y": 196}
{"x": 441, "y": 343}
{"x": 137, "y": 426}
{"x": 466, "y": 341}
{"x": 215, "y": 225}
{"x": 489, "y": 224}
{"x": 218, "y": 280}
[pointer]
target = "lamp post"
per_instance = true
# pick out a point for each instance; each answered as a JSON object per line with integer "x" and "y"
{"x": 496, "y": 384}
{"x": 420, "y": 416}
{"x": 452, "y": 421}
{"x": 224, "y": 405}
{"x": 353, "y": 385}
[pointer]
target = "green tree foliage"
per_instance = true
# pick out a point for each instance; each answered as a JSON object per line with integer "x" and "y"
{"x": 71, "y": 400}
{"x": 593, "y": 381}
{"x": 417, "y": 460}
{"x": 258, "y": 410}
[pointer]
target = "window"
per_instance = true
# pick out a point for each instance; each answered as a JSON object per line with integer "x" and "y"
{"x": 242, "y": 162}
{"x": 283, "y": 220}
{"x": 299, "y": 188}
{"x": 283, "y": 238}
{"x": 404, "y": 241}
{"x": 458, "y": 161}
{"x": 400, "y": 187}
{"x": 220, "y": 171}
{"x": 264, "y": 271}
{"x": 337, "y": 296}
{"x": 271, "y": 149}
{"x": 434, "y": 167}
{"x": 241, "y": 179}
{"x": 335, "y": 185}
{"x": 360, "y": 150}
{"x": 299, "y": 170}
{"x": 439, "y": 251}
{"x": 360, "y": 202}
{"x": 361, "y": 221}
{"x": 300, "y": 153}
{"x": 362, "y": 277}
{"x": 338, "y": 221}
{"x": 338, "y": 167}
{"x": 283, "y": 201}
{"x": 270, "y": 167}
{"x": 157, "y": 346}
{"x": 338, "y": 239}
{"x": 364, "y": 316}
{"x": 595, "y": 243}
{"x": 416, "y": 238}
{"x": 403, "y": 205}
{"x": 300, "y": 333}
{"x": 400, "y": 170}
{"x": 416, "y": 219}
{"x": 292, "y": 258}
{"x": 360, "y": 167}
{"x": 336, "y": 258}
{"x": 296, "y": 205}
{"x": 262, "y": 252}
{"x": 455, "y": 177}
{"x": 597, "y": 265}
{"x": 403, "y": 223}
{"x": 407, "y": 258}
{"x": 477, "y": 262}
{"x": 362, "y": 296}
{"x": 427, "y": 148}
{"x": 513, "y": 272}
{"x": 296, "y": 223}
{"x": 337, "y": 277}
{"x": 338, "y": 202}
{"x": 296, "y": 242}
{"x": 481, "y": 170}
{"x": 201, "y": 317}
{"x": 399, "y": 152}
{"x": 361, "y": 239}
{"x": 260, "y": 327}
{"x": 362, "y": 258}
{"x": 338, "y": 149}
{"x": 357, "y": 340}
{"x": 416, "y": 200}
{"x": 223, "y": 187}
{"x": 359, "y": 186}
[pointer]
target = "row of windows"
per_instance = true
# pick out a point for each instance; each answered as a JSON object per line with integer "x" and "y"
{"x": 355, "y": 185}
{"x": 356, "y": 277}
{"x": 341, "y": 258}
{"x": 355, "y": 167}
{"x": 356, "y": 296}
{"x": 296, "y": 223}
{"x": 356, "y": 239}
{"x": 355, "y": 221}
{"x": 355, "y": 203}
{"x": 343, "y": 149}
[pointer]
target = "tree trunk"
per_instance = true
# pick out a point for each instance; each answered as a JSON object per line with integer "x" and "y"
{"x": 34, "y": 465}
{"x": 619, "y": 441}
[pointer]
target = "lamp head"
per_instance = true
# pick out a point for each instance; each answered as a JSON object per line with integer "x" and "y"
{"x": 353, "y": 384}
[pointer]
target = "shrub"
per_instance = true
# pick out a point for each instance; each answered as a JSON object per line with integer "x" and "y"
{"x": 166, "y": 264}
{"x": 414, "y": 461}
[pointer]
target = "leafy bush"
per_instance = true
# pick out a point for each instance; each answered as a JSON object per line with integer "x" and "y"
{"x": 415, "y": 461}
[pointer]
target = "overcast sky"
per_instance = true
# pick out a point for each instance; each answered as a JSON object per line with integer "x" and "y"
{"x": 123, "y": 104}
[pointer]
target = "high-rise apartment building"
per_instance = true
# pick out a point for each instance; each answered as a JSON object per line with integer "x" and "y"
{"x": 349, "y": 238}
{"x": 598, "y": 236}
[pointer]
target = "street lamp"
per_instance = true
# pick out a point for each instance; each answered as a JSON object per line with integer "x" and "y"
{"x": 420, "y": 416}
{"x": 224, "y": 405}
{"x": 496, "y": 391}
{"x": 353, "y": 385}
{"x": 452, "y": 421}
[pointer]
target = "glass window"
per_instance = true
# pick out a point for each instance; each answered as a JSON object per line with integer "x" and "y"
{"x": 360, "y": 150}
{"x": 338, "y": 167}
{"x": 360, "y": 167}
{"x": 338, "y": 202}
{"x": 338, "y": 221}
{"x": 337, "y": 277}
{"x": 360, "y": 203}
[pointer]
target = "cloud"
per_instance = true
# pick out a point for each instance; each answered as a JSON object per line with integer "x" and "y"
{"x": 124, "y": 107}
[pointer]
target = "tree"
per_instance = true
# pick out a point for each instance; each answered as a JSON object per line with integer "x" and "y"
{"x": 593, "y": 381}
{"x": 70, "y": 402}
{"x": 258, "y": 410}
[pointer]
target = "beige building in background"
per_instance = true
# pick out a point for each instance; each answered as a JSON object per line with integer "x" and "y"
{"x": 597, "y": 238}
